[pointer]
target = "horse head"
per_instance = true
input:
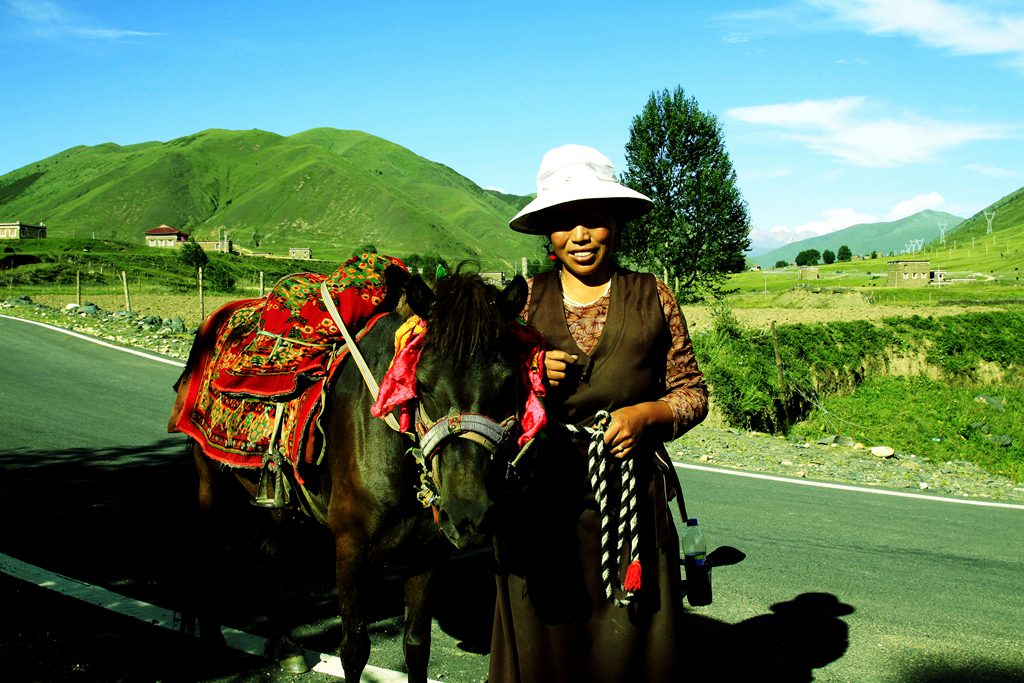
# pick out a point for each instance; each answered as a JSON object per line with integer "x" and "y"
{"x": 469, "y": 381}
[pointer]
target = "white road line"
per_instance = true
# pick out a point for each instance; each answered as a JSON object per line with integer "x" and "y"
{"x": 846, "y": 487}
{"x": 171, "y": 620}
{"x": 95, "y": 340}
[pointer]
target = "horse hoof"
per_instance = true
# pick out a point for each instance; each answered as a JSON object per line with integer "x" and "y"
{"x": 290, "y": 657}
{"x": 294, "y": 664}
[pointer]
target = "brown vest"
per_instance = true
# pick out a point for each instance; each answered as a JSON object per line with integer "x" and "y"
{"x": 628, "y": 364}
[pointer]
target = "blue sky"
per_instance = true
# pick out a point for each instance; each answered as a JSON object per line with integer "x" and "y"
{"x": 835, "y": 112}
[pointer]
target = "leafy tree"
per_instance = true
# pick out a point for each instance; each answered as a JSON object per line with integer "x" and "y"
{"x": 844, "y": 254}
{"x": 828, "y": 256}
{"x": 781, "y": 264}
{"x": 699, "y": 227}
{"x": 874, "y": 254}
{"x": 192, "y": 255}
{"x": 808, "y": 257}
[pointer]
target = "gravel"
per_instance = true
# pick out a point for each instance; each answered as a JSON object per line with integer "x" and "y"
{"x": 832, "y": 460}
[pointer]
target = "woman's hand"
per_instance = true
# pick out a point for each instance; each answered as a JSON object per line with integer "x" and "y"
{"x": 628, "y": 425}
{"x": 556, "y": 363}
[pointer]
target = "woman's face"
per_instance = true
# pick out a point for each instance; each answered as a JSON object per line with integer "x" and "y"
{"x": 583, "y": 238}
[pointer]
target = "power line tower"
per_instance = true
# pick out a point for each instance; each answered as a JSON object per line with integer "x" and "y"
{"x": 942, "y": 233}
{"x": 989, "y": 216}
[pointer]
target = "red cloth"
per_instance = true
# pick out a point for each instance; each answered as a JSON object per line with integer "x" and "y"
{"x": 398, "y": 387}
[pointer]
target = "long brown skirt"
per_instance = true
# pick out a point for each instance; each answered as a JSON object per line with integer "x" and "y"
{"x": 552, "y": 621}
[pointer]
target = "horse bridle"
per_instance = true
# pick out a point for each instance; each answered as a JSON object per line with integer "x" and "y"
{"x": 434, "y": 434}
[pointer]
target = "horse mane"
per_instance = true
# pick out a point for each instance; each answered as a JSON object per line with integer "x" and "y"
{"x": 465, "y": 322}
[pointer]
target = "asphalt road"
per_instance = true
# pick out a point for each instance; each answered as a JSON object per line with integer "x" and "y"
{"x": 836, "y": 586}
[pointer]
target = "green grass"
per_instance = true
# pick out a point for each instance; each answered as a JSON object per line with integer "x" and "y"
{"x": 993, "y": 264}
{"x": 931, "y": 419}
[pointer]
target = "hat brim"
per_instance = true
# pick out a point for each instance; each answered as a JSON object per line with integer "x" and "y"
{"x": 624, "y": 203}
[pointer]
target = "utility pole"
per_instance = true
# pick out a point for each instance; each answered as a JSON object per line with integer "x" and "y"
{"x": 989, "y": 216}
{"x": 942, "y": 233}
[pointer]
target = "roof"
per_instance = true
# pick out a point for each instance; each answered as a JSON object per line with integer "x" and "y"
{"x": 165, "y": 230}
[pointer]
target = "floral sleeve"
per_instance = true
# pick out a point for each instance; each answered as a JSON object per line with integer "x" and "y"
{"x": 687, "y": 393}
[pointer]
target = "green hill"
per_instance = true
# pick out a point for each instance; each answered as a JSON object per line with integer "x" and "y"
{"x": 327, "y": 189}
{"x": 1009, "y": 213}
{"x": 883, "y": 238}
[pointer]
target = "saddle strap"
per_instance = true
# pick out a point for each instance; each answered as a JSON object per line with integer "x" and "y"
{"x": 357, "y": 356}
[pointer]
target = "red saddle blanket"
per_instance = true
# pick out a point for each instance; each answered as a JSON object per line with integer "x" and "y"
{"x": 257, "y": 380}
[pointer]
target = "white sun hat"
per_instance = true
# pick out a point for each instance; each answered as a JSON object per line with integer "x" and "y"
{"x": 572, "y": 173}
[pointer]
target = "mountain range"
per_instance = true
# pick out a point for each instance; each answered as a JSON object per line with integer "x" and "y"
{"x": 337, "y": 191}
{"x": 332, "y": 190}
{"x": 863, "y": 238}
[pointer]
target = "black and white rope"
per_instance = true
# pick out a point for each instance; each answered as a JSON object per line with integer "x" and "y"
{"x": 611, "y": 549}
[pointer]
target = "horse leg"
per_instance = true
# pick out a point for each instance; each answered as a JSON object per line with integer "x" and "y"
{"x": 350, "y": 559}
{"x": 416, "y": 642}
{"x": 203, "y": 558}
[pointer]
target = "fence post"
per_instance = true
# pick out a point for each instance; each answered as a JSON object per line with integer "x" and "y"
{"x": 202, "y": 303}
{"x": 78, "y": 287}
{"x": 127, "y": 298}
{"x": 261, "y": 284}
{"x": 778, "y": 360}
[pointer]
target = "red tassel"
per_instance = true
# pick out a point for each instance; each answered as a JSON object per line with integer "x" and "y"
{"x": 552, "y": 257}
{"x": 632, "y": 582}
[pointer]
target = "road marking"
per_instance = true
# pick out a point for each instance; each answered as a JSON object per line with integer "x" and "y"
{"x": 96, "y": 340}
{"x": 171, "y": 620}
{"x": 847, "y": 487}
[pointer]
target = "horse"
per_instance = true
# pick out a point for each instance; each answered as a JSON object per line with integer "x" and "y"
{"x": 379, "y": 502}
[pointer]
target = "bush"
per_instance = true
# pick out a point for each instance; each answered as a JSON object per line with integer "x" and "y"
{"x": 781, "y": 264}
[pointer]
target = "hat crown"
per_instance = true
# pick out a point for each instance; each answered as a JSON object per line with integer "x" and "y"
{"x": 571, "y": 164}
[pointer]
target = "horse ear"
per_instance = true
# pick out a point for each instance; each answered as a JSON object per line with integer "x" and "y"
{"x": 513, "y": 297}
{"x": 395, "y": 281}
{"x": 420, "y": 296}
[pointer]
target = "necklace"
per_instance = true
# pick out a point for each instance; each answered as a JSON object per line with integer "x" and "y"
{"x": 580, "y": 304}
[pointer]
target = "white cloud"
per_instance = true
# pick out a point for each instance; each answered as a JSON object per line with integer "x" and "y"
{"x": 957, "y": 27}
{"x": 832, "y": 220}
{"x": 994, "y": 171}
{"x": 47, "y": 19}
{"x": 908, "y": 207}
{"x": 850, "y": 130}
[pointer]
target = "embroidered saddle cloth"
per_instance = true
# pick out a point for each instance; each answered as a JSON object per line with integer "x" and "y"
{"x": 257, "y": 382}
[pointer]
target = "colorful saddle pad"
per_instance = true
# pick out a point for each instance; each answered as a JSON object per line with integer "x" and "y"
{"x": 259, "y": 381}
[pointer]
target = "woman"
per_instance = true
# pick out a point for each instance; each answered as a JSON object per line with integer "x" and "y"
{"x": 617, "y": 342}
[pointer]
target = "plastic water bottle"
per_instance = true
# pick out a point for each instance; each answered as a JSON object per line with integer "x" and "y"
{"x": 698, "y": 571}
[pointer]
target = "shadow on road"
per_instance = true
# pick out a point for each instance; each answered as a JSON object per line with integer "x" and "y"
{"x": 115, "y": 517}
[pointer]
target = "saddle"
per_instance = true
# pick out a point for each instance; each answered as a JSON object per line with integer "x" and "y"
{"x": 259, "y": 368}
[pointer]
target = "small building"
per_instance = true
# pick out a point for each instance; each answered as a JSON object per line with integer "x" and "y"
{"x": 909, "y": 273}
{"x": 221, "y": 246}
{"x": 165, "y": 236}
{"x": 300, "y": 252}
{"x": 808, "y": 273}
{"x": 22, "y": 231}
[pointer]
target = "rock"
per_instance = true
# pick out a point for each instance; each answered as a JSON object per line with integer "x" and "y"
{"x": 910, "y": 465}
{"x": 826, "y": 441}
{"x": 923, "y": 485}
{"x": 999, "y": 440}
{"x": 787, "y": 463}
{"x": 859, "y": 446}
{"x": 706, "y": 458}
{"x": 88, "y": 309}
{"x": 882, "y": 452}
{"x": 843, "y": 440}
{"x": 997, "y": 403}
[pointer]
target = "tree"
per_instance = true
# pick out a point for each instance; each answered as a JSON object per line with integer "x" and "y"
{"x": 828, "y": 256}
{"x": 781, "y": 264}
{"x": 191, "y": 254}
{"x": 699, "y": 227}
{"x": 844, "y": 254}
{"x": 808, "y": 257}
